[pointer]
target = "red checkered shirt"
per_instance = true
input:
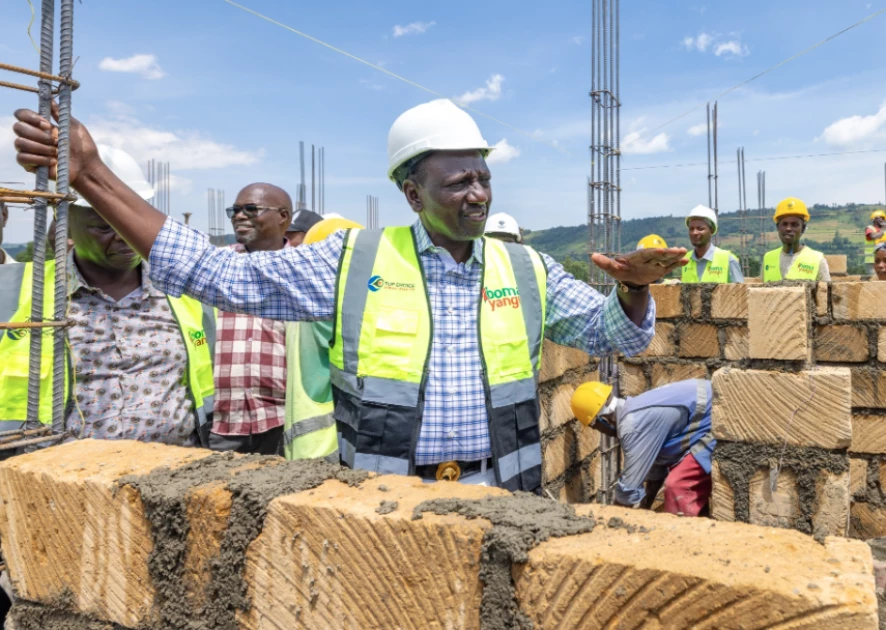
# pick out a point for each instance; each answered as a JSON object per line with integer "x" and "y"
{"x": 250, "y": 373}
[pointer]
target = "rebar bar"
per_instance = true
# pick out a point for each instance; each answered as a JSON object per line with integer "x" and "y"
{"x": 46, "y": 76}
{"x": 47, "y": 28}
{"x": 710, "y": 174}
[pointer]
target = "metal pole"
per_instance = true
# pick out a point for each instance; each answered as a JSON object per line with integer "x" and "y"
{"x": 710, "y": 191}
{"x": 716, "y": 175}
{"x": 744, "y": 228}
{"x": 47, "y": 27}
{"x": 313, "y": 187}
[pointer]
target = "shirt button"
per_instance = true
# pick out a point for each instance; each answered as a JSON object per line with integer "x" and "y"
{"x": 450, "y": 349}
{"x": 450, "y": 310}
{"x": 452, "y": 391}
{"x": 452, "y": 435}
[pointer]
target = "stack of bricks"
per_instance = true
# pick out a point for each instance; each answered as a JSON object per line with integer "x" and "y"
{"x": 117, "y": 535}
{"x": 799, "y": 397}
{"x": 570, "y": 451}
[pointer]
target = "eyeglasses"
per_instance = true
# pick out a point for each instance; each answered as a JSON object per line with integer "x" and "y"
{"x": 251, "y": 210}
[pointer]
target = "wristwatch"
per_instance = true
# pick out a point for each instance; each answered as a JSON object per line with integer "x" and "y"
{"x": 626, "y": 287}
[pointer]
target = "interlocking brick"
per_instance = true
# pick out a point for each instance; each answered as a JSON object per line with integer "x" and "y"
{"x": 837, "y": 264}
{"x": 778, "y": 319}
{"x": 730, "y": 301}
{"x": 632, "y": 380}
{"x": 881, "y": 345}
{"x": 858, "y": 300}
{"x": 867, "y": 521}
{"x": 664, "y": 373}
{"x": 556, "y": 360}
{"x": 869, "y": 388}
{"x": 737, "y": 342}
{"x": 810, "y": 408}
{"x": 841, "y": 343}
{"x": 858, "y": 476}
{"x": 868, "y": 433}
{"x": 698, "y": 340}
{"x": 662, "y": 344}
{"x": 821, "y": 299}
{"x": 558, "y": 454}
{"x": 668, "y": 303}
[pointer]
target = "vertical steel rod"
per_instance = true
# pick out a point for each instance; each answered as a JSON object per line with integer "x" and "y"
{"x": 710, "y": 191}
{"x": 744, "y": 217}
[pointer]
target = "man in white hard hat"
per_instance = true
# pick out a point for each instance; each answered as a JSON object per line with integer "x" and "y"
{"x": 438, "y": 331}
{"x": 707, "y": 262}
{"x": 504, "y": 227}
{"x": 139, "y": 363}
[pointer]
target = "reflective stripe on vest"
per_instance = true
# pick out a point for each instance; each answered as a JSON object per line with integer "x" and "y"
{"x": 716, "y": 270}
{"x": 805, "y": 265}
{"x": 382, "y": 343}
{"x": 695, "y": 396}
{"x": 309, "y": 430}
{"x": 197, "y": 325}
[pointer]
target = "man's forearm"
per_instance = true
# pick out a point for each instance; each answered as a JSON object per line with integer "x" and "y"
{"x": 137, "y": 221}
{"x": 635, "y": 305}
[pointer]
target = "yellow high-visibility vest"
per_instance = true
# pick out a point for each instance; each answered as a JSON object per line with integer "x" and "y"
{"x": 716, "y": 270}
{"x": 804, "y": 267}
{"x": 382, "y": 342}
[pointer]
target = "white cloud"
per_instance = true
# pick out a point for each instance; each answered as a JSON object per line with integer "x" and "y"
{"x": 699, "y": 43}
{"x": 504, "y": 152}
{"x": 415, "y": 28}
{"x": 491, "y": 92}
{"x": 144, "y": 65}
{"x": 856, "y": 129}
{"x": 732, "y": 48}
{"x": 183, "y": 149}
{"x": 635, "y": 143}
{"x": 698, "y": 130}
{"x": 578, "y": 40}
{"x": 378, "y": 87}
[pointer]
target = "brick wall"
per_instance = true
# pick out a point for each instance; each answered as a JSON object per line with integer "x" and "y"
{"x": 121, "y": 535}
{"x": 800, "y": 396}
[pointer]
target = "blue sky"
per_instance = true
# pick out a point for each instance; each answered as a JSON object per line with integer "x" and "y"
{"x": 225, "y": 96}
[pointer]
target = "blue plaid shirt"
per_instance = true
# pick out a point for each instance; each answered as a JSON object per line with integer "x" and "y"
{"x": 298, "y": 284}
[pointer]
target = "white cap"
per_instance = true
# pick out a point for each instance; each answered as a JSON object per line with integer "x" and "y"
{"x": 123, "y": 166}
{"x": 436, "y": 126}
{"x": 503, "y": 223}
{"x": 703, "y": 212}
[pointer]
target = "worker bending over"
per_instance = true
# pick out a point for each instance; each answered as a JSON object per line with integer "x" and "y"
{"x": 665, "y": 437}
{"x": 874, "y": 234}
{"x": 437, "y": 331}
{"x": 793, "y": 260}
{"x": 138, "y": 363}
{"x": 504, "y": 227}
{"x": 707, "y": 262}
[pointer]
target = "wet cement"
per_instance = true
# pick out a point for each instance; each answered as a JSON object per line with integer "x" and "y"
{"x": 739, "y": 462}
{"x": 30, "y": 616}
{"x": 164, "y": 494}
{"x": 519, "y": 523}
{"x": 386, "y": 507}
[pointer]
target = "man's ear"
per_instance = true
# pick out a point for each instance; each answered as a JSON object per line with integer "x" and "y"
{"x": 413, "y": 197}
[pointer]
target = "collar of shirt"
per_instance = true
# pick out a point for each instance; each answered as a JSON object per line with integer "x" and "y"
{"x": 708, "y": 255}
{"x": 240, "y": 248}
{"x": 7, "y": 259}
{"x": 76, "y": 280}
{"x": 424, "y": 244}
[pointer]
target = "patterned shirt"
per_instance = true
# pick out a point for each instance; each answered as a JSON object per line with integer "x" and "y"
{"x": 129, "y": 362}
{"x": 250, "y": 372}
{"x": 299, "y": 284}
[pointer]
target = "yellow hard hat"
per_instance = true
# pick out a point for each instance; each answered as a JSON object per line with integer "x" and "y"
{"x": 792, "y": 207}
{"x": 653, "y": 241}
{"x": 322, "y": 229}
{"x": 588, "y": 400}
{"x": 878, "y": 214}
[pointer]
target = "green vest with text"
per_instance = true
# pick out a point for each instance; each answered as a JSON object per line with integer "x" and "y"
{"x": 196, "y": 323}
{"x": 804, "y": 267}
{"x": 716, "y": 270}
{"x": 309, "y": 429}
{"x": 382, "y": 345}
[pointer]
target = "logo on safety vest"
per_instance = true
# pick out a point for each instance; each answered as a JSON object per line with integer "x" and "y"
{"x": 715, "y": 271}
{"x": 17, "y": 334}
{"x": 805, "y": 267}
{"x": 198, "y": 337}
{"x": 497, "y": 298}
{"x": 377, "y": 283}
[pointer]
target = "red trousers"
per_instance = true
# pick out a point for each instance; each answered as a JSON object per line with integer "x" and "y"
{"x": 687, "y": 488}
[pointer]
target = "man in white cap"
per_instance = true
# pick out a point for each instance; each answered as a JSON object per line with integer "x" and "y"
{"x": 504, "y": 227}
{"x": 437, "y": 331}
{"x": 139, "y": 362}
{"x": 707, "y": 262}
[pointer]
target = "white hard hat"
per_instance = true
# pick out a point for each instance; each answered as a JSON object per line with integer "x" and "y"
{"x": 126, "y": 168}
{"x": 703, "y": 212}
{"x": 436, "y": 126}
{"x": 332, "y": 215}
{"x": 503, "y": 223}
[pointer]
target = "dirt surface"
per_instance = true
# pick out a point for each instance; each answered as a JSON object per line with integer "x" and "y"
{"x": 738, "y": 463}
{"x": 519, "y": 523}
{"x": 253, "y": 481}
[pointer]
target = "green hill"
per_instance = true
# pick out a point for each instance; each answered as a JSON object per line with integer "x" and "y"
{"x": 832, "y": 230}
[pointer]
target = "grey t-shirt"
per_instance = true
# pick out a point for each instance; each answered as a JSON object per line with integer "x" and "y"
{"x": 785, "y": 261}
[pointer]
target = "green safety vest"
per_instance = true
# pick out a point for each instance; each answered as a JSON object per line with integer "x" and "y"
{"x": 715, "y": 271}
{"x": 382, "y": 344}
{"x": 196, "y": 322}
{"x": 804, "y": 267}
{"x": 309, "y": 431}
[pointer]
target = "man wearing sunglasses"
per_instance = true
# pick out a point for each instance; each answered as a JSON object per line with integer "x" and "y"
{"x": 437, "y": 330}
{"x": 250, "y": 355}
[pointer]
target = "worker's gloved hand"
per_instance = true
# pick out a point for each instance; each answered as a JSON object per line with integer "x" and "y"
{"x": 37, "y": 144}
{"x": 643, "y": 266}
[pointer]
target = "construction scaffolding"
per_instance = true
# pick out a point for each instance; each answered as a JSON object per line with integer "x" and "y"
{"x": 371, "y": 212}
{"x": 761, "y": 205}
{"x": 713, "y": 174}
{"x": 218, "y": 220}
{"x": 743, "y": 253}
{"x": 604, "y": 191}
{"x": 49, "y": 85}
{"x": 158, "y": 177}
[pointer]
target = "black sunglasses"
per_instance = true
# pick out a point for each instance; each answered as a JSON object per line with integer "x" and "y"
{"x": 251, "y": 210}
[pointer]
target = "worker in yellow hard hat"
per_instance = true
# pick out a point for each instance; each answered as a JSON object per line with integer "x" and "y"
{"x": 707, "y": 262}
{"x": 652, "y": 241}
{"x": 793, "y": 260}
{"x": 309, "y": 429}
{"x": 665, "y": 437}
{"x": 874, "y": 234}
